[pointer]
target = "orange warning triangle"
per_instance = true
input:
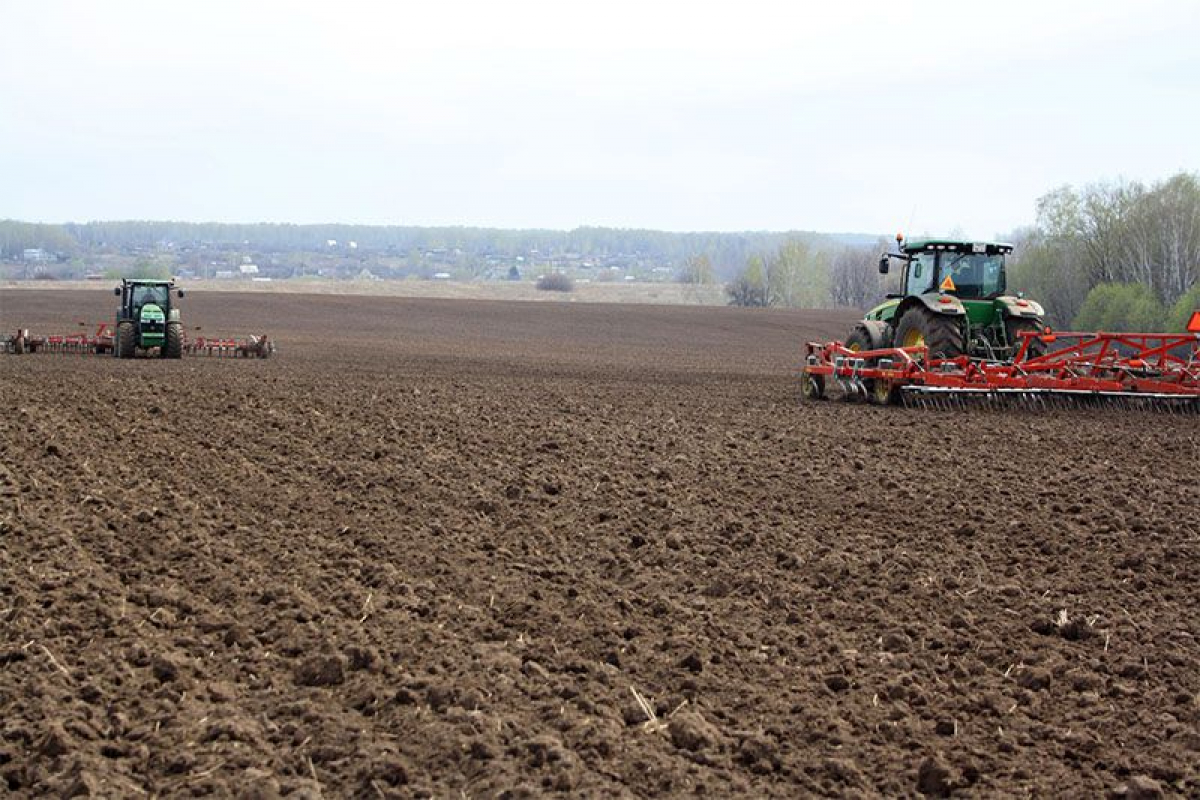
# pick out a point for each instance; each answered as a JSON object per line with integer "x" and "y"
{"x": 1194, "y": 323}
{"x": 948, "y": 285}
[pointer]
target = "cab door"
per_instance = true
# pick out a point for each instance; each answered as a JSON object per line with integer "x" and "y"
{"x": 919, "y": 276}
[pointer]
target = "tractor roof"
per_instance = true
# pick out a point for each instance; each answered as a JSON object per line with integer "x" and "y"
{"x": 958, "y": 245}
{"x": 148, "y": 282}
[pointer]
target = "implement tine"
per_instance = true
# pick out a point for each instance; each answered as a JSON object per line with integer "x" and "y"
{"x": 980, "y": 395}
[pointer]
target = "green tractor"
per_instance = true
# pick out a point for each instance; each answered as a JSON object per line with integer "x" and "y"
{"x": 953, "y": 301}
{"x": 146, "y": 320}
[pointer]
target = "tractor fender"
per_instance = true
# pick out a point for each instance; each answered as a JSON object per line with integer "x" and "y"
{"x": 173, "y": 315}
{"x": 879, "y": 333}
{"x": 946, "y": 304}
{"x": 1019, "y": 307}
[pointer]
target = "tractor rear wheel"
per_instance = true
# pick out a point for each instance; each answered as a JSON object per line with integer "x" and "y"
{"x": 126, "y": 340}
{"x": 173, "y": 347}
{"x": 1013, "y": 326}
{"x": 941, "y": 333}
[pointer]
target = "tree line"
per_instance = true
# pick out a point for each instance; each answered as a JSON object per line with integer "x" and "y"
{"x": 1115, "y": 255}
{"x": 727, "y": 252}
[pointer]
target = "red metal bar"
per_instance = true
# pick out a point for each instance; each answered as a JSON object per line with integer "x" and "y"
{"x": 1096, "y": 363}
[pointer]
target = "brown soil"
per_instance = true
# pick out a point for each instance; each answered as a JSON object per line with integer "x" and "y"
{"x": 436, "y": 547}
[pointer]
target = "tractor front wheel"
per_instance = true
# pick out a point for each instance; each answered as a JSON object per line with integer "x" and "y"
{"x": 942, "y": 334}
{"x": 173, "y": 347}
{"x": 1014, "y": 326}
{"x": 126, "y": 340}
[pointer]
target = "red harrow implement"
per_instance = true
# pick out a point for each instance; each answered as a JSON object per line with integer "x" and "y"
{"x": 102, "y": 342}
{"x": 1157, "y": 371}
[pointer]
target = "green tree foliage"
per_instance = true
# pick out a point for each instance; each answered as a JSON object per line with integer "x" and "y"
{"x": 794, "y": 276}
{"x": 1120, "y": 307}
{"x": 145, "y": 268}
{"x": 798, "y": 276}
{"x": 16, "y": 237}
{"x": 749, "y": 287}
{"x": 1187, "y": 304}
{"x": 1112, "y": 233}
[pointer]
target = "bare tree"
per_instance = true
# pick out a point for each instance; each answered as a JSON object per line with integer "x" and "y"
{"x": 854, "y": 276}
{"x": 697, "y": 270}
{"x": 1113, "y": 233}
{"x": 749, "y": 287}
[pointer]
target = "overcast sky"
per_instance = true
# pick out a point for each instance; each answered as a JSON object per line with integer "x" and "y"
{"x": 849, "y": 116}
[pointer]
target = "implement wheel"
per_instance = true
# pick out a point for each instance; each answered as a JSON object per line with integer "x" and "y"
{"x": 126, "y": 340}
{"x": 941, "y": 333}
{"x": 1014, "y": 326}
{"x": 885, "y": 393}
{"x": 812, "y": 387}
{"x": 858, "y": 341}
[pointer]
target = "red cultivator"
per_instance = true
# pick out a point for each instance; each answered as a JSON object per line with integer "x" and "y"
{"x": 102, "y": 342}
{"x": 1158, "y": 371}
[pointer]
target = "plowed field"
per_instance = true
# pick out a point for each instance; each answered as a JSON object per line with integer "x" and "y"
{"x": 459, "y": 548}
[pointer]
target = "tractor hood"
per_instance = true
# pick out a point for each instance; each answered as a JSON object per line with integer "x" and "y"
{"x": 152, "y": 312}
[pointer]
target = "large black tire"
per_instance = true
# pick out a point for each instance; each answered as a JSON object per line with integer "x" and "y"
{"x": 941, "y": 333}
{"x": 1016, "y": 325}
{"x": 173, "y": 346}
{"x": 19, "y": 346}
{"x": 859, "y": 339}
{"x": 126, "y": 340}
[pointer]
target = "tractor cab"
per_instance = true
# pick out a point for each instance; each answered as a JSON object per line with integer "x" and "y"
{"x": 973, "y": 270}
{"x": 147, "y": 293}
{"x": 135, "y": 294}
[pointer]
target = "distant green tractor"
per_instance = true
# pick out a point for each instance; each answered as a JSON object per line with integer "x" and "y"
{"x": 953, "y": 302}
{"x": 146, "y": 321}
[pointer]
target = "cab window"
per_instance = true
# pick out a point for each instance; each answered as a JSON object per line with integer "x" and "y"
{"x": 974, "y": 274}
{"x": 149, "y": 294}
{"x": 920, "y": 274}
